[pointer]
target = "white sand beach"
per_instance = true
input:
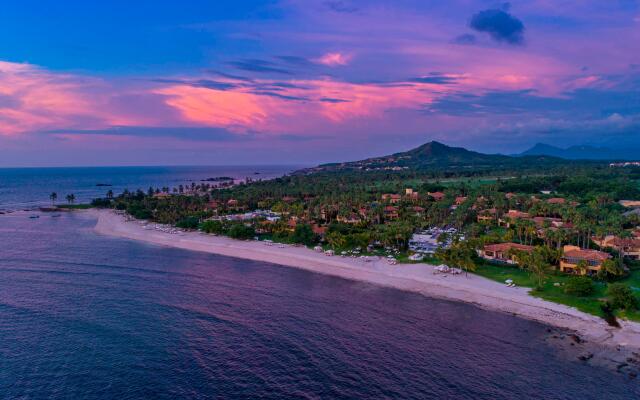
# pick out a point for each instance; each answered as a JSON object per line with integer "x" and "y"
{"x": 418, "y": 278}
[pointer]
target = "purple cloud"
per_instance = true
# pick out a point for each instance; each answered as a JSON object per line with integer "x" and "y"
{"x": 500, "y": 25}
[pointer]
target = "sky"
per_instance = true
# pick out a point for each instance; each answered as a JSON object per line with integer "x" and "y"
{"x": 308, "y": 81}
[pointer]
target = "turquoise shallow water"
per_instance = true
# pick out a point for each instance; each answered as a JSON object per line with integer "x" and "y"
{"x": 89, "y": 317}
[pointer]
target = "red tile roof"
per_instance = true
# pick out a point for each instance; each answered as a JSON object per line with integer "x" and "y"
{"x": 517, "y": 214}
{"x": 507, "y": 246}
{"x": 626, "y": 242}
{"x": 593, "y": 255}
{"x": 556, "y": 200}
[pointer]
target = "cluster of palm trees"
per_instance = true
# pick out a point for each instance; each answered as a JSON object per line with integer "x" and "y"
{"x": 71, "y": 198}
{"x": 459, "y": 255}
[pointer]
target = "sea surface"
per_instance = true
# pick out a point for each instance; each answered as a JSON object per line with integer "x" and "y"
{"x": 84, "y": 316}
{"x": 25, "y": 188}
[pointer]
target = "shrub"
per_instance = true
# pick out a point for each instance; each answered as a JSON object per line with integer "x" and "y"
{"x": 188, "y": 223}
{"x": 101, "y": 203}
{"x": 241, "y": 231}
{"x": 303, "y": 234}
{"x": 213, "y": 227}
{"x": 138, "y": 212}
{"x": 621, "y": 297}
{"x": 579, "y": 286}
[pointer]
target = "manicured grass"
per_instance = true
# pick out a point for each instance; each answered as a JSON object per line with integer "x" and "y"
{"x": 74, "y": 206}
{"x": 556, "y": 294}
{"x": 501, "y": 273}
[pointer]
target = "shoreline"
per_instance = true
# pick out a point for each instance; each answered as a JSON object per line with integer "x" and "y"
{"x": 418, "y": 278}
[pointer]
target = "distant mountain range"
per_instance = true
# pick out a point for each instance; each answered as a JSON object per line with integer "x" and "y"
{"x": 582, "y": 152}
{"x": 433, "y": 155}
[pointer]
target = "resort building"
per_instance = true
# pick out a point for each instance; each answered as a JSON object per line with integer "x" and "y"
{"x": 212, "y": 205}
{"x": 418, "y": 210}
{"x": 487, "y": 216}
{"x": 391, "y": 212}
{"x": 556, "y": 200}
{"x": 503, "y": 252}
{"x": 629, "y": 247}
{"x": 349, "y": 219}
{"x": 548, "y": 221}
{"x": 391, "y": 198}
{"x": 630, "y": 203}
{"x": 574, "y": 256}
{"x": 411, "y": 194}
{"x": 319, "y": 230}
{"x": 511, "y": 216}
{"x": 437, "y": 196}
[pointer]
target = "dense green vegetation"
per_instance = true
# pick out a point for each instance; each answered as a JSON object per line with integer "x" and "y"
{"x": 365, "y": 207}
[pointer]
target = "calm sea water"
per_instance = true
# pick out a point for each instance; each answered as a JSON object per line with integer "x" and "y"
{"x": 84, "y": 316}
{"x": 22, "y": 188}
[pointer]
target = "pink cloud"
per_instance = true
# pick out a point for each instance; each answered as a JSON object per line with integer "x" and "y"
{"x": 34, "y": 99}
{"x": 334, "y": 59}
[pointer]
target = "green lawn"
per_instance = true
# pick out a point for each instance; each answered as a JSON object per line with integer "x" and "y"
{"x": 74, "y": 206}
{"x": 590, "y": 304}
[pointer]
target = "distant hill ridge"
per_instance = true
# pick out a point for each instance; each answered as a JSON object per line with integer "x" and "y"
{"x": 430, "y": 155}
{"x": 583, "y": 152}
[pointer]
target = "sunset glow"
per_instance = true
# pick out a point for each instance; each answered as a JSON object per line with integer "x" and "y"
{"x": 332, "y": 74}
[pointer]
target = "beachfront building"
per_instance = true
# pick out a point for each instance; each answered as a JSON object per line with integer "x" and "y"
{"x": 319, "y": 231}
{"x": 575, "y": 260}
{"x": 503, "y": 252}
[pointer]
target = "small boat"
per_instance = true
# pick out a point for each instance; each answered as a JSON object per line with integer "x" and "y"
{"x": 55, "y": 215}
{"x": 34, "y": 216}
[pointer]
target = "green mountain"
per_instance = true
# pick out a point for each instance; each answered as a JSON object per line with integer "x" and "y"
{"x": 433, "y": 155}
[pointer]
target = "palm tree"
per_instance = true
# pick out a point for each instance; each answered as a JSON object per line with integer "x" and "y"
{"x": 71, "y": 198}
{"x": 612, "y": 267}
{"x": 539, "y": 268}
{"x": 53, "y": 196}
{"x": 110, "y": 194}
{"x": 582, "y": 267}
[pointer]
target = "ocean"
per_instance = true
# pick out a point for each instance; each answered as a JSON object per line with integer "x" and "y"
{"x": 27, "y": 188}
{"x": 84, "y": 316}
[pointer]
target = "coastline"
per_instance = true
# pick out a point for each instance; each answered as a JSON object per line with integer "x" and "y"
{"x": 593, "y": 331}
